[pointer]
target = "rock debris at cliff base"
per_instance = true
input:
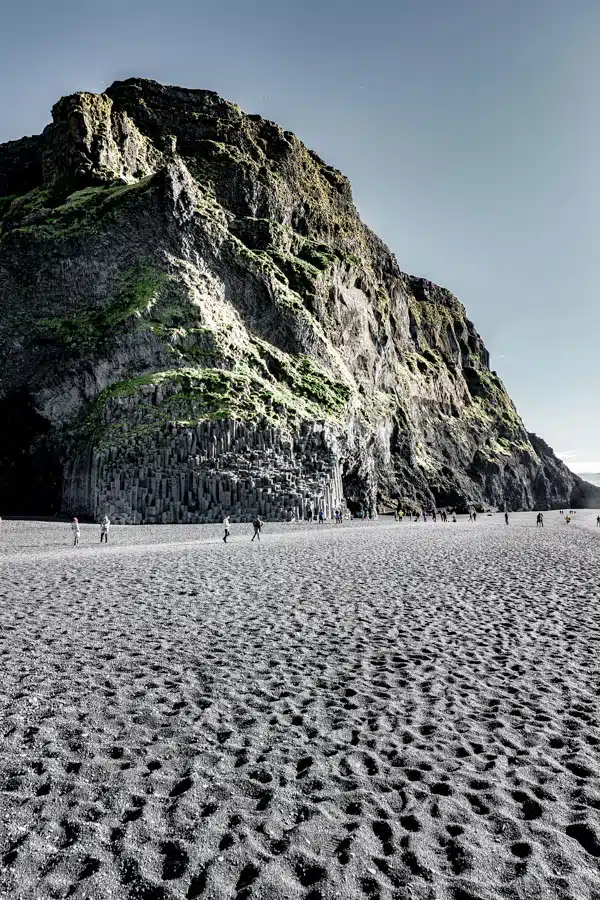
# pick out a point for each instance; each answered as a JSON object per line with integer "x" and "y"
{"x": 374, "y": 710}
{"x": 172, "y": 267}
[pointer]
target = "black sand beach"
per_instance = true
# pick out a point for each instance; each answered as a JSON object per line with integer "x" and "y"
{"x": 368, "y": 711}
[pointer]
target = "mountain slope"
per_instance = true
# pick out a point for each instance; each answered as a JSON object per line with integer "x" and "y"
{"x": 193, "y": 318}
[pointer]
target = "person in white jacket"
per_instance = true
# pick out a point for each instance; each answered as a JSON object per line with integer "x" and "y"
{"x": 76, "y": 531}
{"x": 104, "y": 526}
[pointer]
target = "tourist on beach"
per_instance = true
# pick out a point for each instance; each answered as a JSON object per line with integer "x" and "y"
{"x": 474, "y": 516}
{"x": 540, "y": 520}
{"x": 506, "y": 518}
{"x": 454, "y": 517}
{"x": 309, "y": 512}
{"x": 598, "y": 521}
{"x": 434, "y": 515}
{"x": 76, "y": 531}
{"x": 567, "y": 519}
{"x": 226, "y": 527}
{"x": 401, "y": 515}
{"x": 257, "y": 526}
{"x": 321, "y": 517}
{"x": 104, "y": 526}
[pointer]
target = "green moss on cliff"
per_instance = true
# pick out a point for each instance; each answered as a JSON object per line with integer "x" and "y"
{"x": 383, "y": 302}
{"x": 320, "y": 256}
{"x": 5, "y": 204}
{"x": 301, "y": 276}
{"x": 303, "y": 377}
{"x": 42, "y": 216}
{"x": 90, "y": 330}
{"x": 194, "y": 394}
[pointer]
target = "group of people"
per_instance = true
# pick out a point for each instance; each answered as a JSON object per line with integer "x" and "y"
{"x": 399, "y": 515}
{"x": 76, "y": 529}
{"x": 314, "y": 515}
{"x": 257, "y": 524}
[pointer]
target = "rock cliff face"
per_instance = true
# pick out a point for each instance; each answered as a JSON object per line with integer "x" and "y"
{"x": 193, "y": 318}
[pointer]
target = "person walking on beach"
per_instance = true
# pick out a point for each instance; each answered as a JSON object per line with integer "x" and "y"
{"x": 257, "y": 526}
{"x": 474, "y": 516}
{"x": 226, "y": 527}
{"x": 76, "y": 531}
{"x": 104, "y": 526}
{"x": 321, "y": 517}
{"x": 598, "y": 521}
{"x": 506, "y": 518}
{"x": 539, "y": 520}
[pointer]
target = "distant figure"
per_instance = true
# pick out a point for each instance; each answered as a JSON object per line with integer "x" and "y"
{"x": 567, "y": 519}
{"x": 309, "y": 512}
{"x": 395, "y": 515}
{"x": 470, "y": 515}
{"x": 76, "y": 531}
{"x": 401, "y": 515}
{"x": 104, "y": 526}
{"x": 540, "y": 520}
{"x": 454, "y": 517}
{"x": 434, "y": 515}
{"x": 598, "y": 521}
{"x": 226, "y": 527}
{"x": 321, "y": 517}
{"x": 424, "y": 516}
{"x": 474, "y": 516}
{"x": 257, "y": 526}
{"x": 506, "y": 518}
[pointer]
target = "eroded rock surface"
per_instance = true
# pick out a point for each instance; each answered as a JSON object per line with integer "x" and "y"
{"x": 175, "y": 273}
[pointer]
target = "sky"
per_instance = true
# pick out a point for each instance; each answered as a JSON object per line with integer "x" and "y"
{"x": 470, "y": 131}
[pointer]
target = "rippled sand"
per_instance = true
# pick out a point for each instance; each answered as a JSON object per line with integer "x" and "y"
{"x": 368, "y": 711}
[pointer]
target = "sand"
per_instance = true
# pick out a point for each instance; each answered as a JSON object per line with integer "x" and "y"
{"x": 368, "y": 711}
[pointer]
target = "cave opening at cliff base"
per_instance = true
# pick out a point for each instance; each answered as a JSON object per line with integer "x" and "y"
{"x": 30, "y": 471}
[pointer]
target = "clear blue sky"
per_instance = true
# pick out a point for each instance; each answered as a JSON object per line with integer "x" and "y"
{"x": 470, "y": 130}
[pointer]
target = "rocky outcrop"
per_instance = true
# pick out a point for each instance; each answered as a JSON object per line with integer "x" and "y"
{"x": 193, "y": 318}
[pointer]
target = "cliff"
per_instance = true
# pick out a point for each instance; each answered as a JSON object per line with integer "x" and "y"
{"x": 194, "y": 318}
